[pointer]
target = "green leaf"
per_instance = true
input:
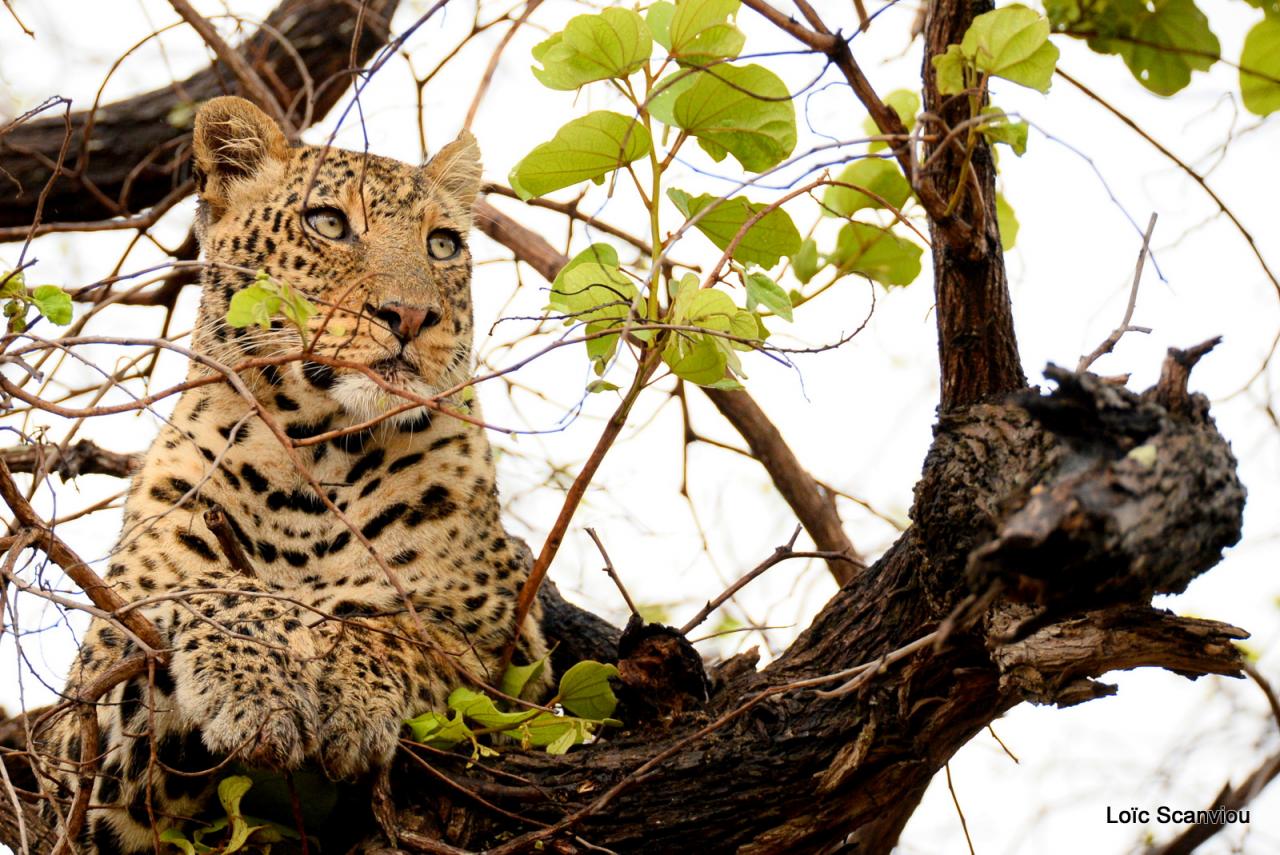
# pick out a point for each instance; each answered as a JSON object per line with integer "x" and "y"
{"x": 771, "y": 237}
{"x": 178, "y": 839}
{"x": 592, "y": 292}
{"x": 231, "y": 790}
{"x": 951, "y": 69}
{"x": 1161, "y": 41}
{"x": 595, "y": 292}
{"x": 255, "y": 304}
{"x": 745, "y": 111}
{"x": 659, "y": 20}
{"x": 54, "y": 303}
{"x": 881, "y": 177}
{"x": 696, "y": 358}
{"x": 904, "y": 102}
{"x": 1261, "y": 54}
{"x": 1002, "y": 129}
{"x": 764, "y": 291}
{"x": 562, "y": 743}
{"x": 518, "y": 676}
{"x": 702, "y": 31}
{"x": 614, "y": 43}
{"x": 597, "y": 386}
{"x": 439, "y": 730}
{"x": 480, "y": 708}
{"x": 546, "y": 728}
{"x": 876, "y": 253}
{"x": 585, "y": 690}
{"x": 806, "y": 263}
{"x": 1007, "y": 221}
{"x": 1169, "y": 42}
{"x": 15, "y": 284}
{"x": 182, "y": 115}
{"x": 1012, "y": 42}
{"x": 585, "y": 149}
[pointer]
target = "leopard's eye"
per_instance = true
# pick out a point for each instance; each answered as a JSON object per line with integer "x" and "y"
{"x": 443, "y": 244}
{"x": 327, "y": 222}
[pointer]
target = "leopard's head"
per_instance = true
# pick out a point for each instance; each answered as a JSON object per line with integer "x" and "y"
{"x": 377, "y": 245}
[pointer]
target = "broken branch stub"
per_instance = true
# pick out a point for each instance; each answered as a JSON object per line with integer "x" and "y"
{"x": 1139, "y": 497}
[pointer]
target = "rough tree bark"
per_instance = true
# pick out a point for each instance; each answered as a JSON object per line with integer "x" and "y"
{"x": 1041, "y": 527}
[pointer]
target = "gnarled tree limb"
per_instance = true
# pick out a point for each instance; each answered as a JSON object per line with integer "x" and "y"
{"x": 134, "y": 156}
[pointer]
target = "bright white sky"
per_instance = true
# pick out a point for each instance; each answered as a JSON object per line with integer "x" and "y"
{"x": 859, "y": 417}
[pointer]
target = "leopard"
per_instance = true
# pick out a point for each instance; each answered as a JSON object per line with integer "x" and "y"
{"x": 363, "y": 571}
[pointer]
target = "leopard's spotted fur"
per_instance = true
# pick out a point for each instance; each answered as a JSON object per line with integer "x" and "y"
{"x": 314, "y": 658}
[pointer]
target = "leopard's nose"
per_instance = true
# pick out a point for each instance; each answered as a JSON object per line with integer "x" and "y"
{"x": 406, "y": 322}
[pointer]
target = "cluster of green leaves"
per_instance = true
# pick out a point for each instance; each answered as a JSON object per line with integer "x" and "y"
{"x": 677, "y": 65}
{"x": 1164, "y": 41}
{"x": 233, "y": 832}
{"x": 584, "y": 694}
{"x": 49, "y": 300}
{"x": 1011, "y": 43}
{"x": 266, "y": 298}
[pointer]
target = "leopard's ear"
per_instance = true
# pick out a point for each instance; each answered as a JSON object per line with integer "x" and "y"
{"x": 455, "y": 170}
{"x": 233, "y": 141}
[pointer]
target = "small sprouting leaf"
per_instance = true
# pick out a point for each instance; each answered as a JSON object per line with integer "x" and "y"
{"x": 764, "y": 291}
{"x": 742, "y": 110}
{"x": 806, "y": 262}
{"x": 597, "y": 386}
{"x": 253, "y": 305}
{"x": 614, "y": 43}
{"x": 585, "y": 690}
{"x": 1003, "y": 129}
{"x": 881, "y": 177}
{"x": 54, "y": 303}
{"x": 702, "y": 31}
{"x": 951, "y": 70}
{"x": 1012, "y": 42}
{"x": 876, "y": 253}
{"x": 182, "y": 115}
{"x": 1260, "y": 67}
{"x": 15, "y": 284}
{"x": 585, "y": 149}
{"x": 518, "y": 676}
{"x": 771, "y": 237}
{"x": 905, "y": 103}
{"x": 1007, "y": 221}
{"x": 177, "y": 838}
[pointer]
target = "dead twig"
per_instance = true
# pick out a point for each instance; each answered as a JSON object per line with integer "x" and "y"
{"x": 780, "y": 554}
{"x": 1112, "y": 340}
{"x": 613, "y": 574}
{"x": 219, "y": 523}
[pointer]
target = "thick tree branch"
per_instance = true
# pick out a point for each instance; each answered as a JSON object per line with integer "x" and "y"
{"x": 127, "y": 156}
{"x": 977, "y": 349}
{"x": 84, "y": 458}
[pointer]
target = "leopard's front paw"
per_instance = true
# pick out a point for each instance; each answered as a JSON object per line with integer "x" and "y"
{"x": 276, "y": 731}
{"x": 357, "y": 735}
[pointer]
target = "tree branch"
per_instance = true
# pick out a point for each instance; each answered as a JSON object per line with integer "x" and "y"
{"x": 84, "y": 458}
{"x": 128, "y": 156}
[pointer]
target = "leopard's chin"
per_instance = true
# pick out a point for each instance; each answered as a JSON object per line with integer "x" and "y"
{"x": 364, "y": 400}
